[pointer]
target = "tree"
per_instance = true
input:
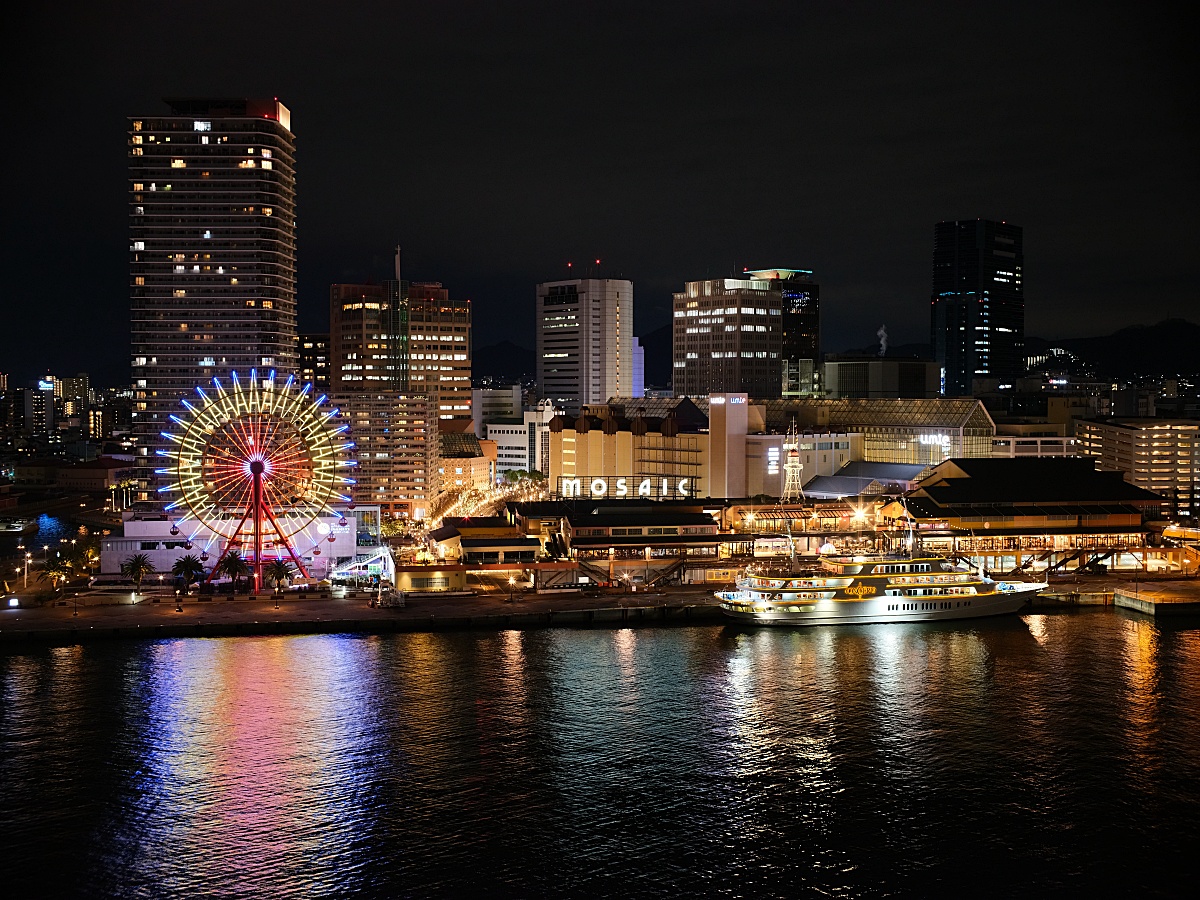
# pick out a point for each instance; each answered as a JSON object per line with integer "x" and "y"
{"x": 278, "y": 572}
{"x": 137, "y": 567}
{"x": 189, "y": 568}
{"x": 234, "y": 567}
{"x": 54, "y": 571}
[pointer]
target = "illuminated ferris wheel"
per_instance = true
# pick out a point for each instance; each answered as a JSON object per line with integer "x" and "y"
{"x": 256, "y": 464}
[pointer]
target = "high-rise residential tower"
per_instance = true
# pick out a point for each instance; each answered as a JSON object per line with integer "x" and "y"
{"x": 212, "y": 192}
{"x": 439, "y": 348}
{"x": 978, "y": 303}
{"x": 584, "y": 341}
{"x": 728, "y": 337}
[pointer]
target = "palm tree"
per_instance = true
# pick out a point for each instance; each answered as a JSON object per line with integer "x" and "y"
{"x": 278, "y": 572}
{"x": 137, "y": 567}
{"x": 234, "y": 566}
{"x": 189, "y": 568}
{"x": 54, "y": 571}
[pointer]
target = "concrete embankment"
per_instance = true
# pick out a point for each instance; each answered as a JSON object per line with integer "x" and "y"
{"x": 152, "y": 622}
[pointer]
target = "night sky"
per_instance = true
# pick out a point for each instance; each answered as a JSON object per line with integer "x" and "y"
{"x": 497, "y": 141}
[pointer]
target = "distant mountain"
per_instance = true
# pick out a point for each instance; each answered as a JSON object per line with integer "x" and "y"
{"x": 657, "y": 351}
{"x": 1171, "y": 347}
{"x": 504, "y": 362}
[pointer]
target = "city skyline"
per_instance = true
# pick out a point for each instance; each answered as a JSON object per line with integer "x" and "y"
{"x": 838, "y": 163}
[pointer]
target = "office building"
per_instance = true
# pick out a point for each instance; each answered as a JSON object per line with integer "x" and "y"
{"x": 728, "y": 337}
{"x": 314, "y": 361}
{"x": 367, "y": 336}
{"x": 439, "y": 348}
{"x": 978, "y": 303}
{"x": 523, "y": 442}
{"x": 212, "y": 251}
{"x": 1160, "y": 455}
{"x": 800, "y": 354}
{"x": 495, "y": 405}
{"x": 584, "y": 341}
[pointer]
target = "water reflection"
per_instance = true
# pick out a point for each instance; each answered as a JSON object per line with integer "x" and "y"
{"x": 247, "y": 761}
{"x": 837, "y": 761}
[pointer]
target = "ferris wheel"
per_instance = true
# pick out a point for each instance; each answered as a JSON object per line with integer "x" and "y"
{"x": 256, "y": 464}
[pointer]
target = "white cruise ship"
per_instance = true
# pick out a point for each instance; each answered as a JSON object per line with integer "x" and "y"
{"x": 860, "y": 590}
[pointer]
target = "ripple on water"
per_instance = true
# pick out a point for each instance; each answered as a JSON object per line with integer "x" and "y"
{"x": 1005, "y": 756}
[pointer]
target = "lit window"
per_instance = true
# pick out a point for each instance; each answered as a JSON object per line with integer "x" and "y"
{"x": 178, "y": 164}
{"x": 201, "y": 126}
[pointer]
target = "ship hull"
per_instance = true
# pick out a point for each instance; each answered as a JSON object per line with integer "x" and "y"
{"x": 886, "y": 610}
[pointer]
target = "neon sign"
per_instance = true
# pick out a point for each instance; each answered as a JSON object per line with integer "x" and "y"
{"x": 627, "y": 487}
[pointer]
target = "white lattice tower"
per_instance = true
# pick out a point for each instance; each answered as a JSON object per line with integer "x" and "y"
{"x": 792, "y": 487}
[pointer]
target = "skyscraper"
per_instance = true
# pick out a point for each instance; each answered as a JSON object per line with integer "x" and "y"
{"x": 212, "y": 250}
{"x": 978, "y": 303}
{"x": 584, "y": 341}
{"x": 727, "y": 337}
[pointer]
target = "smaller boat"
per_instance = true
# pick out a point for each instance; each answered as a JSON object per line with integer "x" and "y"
{"x": 861, "y": 590}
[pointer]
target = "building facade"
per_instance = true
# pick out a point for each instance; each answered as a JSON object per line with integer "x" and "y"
{"x": 396, "y": 447}
{"x": 584, "y": 341}
{"x": 439, "y": 348}
{"x": 882, "y": 377}
{"x": 978, "y": 303}
{"x": 368, "y": 333}
{"x": 212, "y": 251}
{"x": 314, "y": 361}
{"x": 1160, "y": 455}
{"x": 727, "y": 337}
{"x": 495, "y": 405}
{"x": 800, "y": 355}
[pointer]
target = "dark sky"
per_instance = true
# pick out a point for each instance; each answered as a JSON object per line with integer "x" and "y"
{"x": 497, "y": 141}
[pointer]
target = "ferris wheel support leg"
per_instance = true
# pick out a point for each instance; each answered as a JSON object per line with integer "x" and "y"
{"x": 256, "y": 469}
{"x": 286, "y": 543}
{"x": 234, "y": 541}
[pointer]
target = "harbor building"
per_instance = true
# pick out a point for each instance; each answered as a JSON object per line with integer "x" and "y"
{"x": 1039, "y": 514}
{"x": 977, "y": 317}
{"x": 1160, "y": 455}
{"x": 212, "y": 252}
{"x": 585, "y": 343}
{"x": 726, "y": 445}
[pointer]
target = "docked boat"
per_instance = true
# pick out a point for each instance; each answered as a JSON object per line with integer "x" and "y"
{"x": 860, "y": 590}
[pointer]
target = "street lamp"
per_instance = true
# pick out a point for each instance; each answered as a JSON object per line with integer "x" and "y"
{"x": 28, "y": 557}
{"x": 512, "y": 583}
{"x": 76, "y": 613}
{"x": 646, "y": 586}
{"x": 178, "y": 601}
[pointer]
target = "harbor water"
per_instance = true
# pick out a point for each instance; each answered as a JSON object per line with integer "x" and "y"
{"x": 1037, "y": 755}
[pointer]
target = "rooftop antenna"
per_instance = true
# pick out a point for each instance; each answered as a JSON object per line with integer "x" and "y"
{"x": 397, "y": 262}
